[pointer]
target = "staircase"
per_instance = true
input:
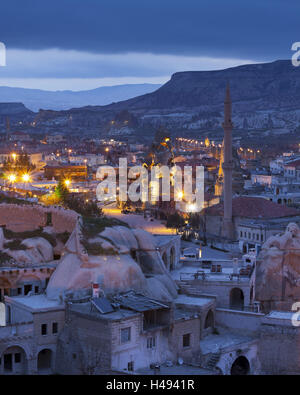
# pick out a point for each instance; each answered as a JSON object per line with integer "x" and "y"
{"x": 213, "y": 360}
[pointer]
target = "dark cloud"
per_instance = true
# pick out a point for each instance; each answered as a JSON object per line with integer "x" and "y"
{"x": 257, "y": 29}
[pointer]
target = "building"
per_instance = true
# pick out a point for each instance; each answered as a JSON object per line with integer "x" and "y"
{"x": 245, "y": 210}
{"x": 130, "y": 305}
{"x": 62, "y": 171}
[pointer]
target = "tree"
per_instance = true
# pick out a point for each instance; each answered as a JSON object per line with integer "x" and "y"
{"x": 175, "y": 221}
{"x": 82, "y": 206}
{"x": 20, "y": 164}
{"x": 61, "y": 191}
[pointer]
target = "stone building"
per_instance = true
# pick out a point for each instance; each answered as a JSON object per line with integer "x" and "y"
{"x": 120, "y": 300}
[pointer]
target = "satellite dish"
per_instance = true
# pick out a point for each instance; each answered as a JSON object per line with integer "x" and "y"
{"x": 180, "y": 361}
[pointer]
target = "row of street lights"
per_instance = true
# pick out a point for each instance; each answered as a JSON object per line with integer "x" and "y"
{"x": 13, "y": 178}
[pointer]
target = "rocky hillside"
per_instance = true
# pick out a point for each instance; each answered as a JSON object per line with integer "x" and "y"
{"x": 7, "y": 109}
{"x": 265, "y": 97}
{"x": 253, "y": 87}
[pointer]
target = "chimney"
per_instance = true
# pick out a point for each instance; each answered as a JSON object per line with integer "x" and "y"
{"x": 96, "y": 290}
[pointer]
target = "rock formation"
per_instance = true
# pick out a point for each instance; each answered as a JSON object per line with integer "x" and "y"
{"x": 277, "y": 277}
{"x": 118, "y": 258}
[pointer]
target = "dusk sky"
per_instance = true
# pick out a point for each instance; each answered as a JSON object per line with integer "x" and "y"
{"x": 83, "y": 44}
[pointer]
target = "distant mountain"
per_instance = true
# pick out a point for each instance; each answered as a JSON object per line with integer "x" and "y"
{"x": 16, "y": 113}
{"x": 12, "y": 109}
{"x": 265, "y": 99}
{"x": 36, "y": 99}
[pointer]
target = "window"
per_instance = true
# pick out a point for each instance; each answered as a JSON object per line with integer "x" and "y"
{"x": 186, "y": 340}
{"x": 49, "y": 219}
{"x": 74, "y": 356}
{"x": 257, "y": 237}
{"x": 19, "y": 292}
{"x": 8, "y": 311}
{"x": 27, "y": 288}
{"x": 130, "y": 366}
{"x": 44, "y": 329}
{"x": 241, "y": 234}
{"x": 8, "y": 362}
{"x": 125, "y": 335}
{"x": 36, "y": 289}
{"x": 54, "y": 327}
{"x": 18, "y": 357}
{"x": 151, "y": 342}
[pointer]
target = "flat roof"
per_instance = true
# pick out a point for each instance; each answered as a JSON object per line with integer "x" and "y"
{"x": 88, "y": 310}
{"x": 36, "y": 302}
{"x": 282, "y": 315}
{"x": 226, "y": 338}
{"x": 193, "y": 300}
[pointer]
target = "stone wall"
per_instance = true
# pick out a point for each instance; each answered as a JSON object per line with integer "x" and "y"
{"x": 242, "y": 320}
{"x": 21, "y": 218}
{"x": 220, "y": 289}
{"x": 183, "y": 327}
{"x": 80, "y": 348}
{"x": 278, "y": 351}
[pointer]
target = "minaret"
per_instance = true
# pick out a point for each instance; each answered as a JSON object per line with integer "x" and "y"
{"x": 220, "y": 178}
{"x": 228, "y": 230}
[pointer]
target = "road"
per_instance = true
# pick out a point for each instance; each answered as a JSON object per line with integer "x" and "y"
{"x": 138, "y": 221}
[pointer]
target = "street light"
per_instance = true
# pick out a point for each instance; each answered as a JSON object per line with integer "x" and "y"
{"x": 180, "y": 195}
{"x": 12, "y": 178}
{"x": 26, "y": 177}
{"x": 67, "y": 183}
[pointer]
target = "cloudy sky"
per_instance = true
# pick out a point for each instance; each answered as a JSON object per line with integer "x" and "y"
{"x": 83, "y": 44}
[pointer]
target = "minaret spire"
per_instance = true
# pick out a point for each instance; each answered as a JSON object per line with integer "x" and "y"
{"x": 227, "y": 108}
{"x": 227, "y": 167}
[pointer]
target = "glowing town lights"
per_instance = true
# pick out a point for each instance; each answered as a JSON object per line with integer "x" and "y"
{"x": 67, "y": 183}
{"x": 106, "y": 149}
{"x": 26, "y": 177}
{"x": 191, "y": 207}
{"x": 14, "y": 156}
{"x": 167, "y": 139}
{"x": 12, "y": 178}
{"x": 180, "y": 195}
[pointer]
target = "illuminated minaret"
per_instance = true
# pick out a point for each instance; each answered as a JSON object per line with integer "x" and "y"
{"x": 227, "y": 168}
